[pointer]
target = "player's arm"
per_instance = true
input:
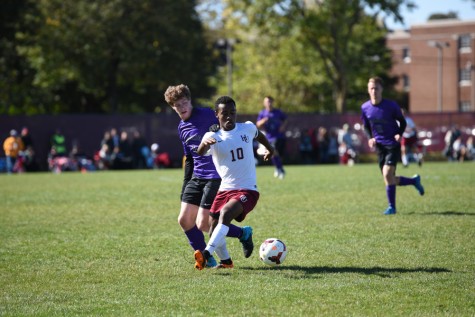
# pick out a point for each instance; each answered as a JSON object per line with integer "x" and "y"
{"x": 402, "y": 125}
{"x": 368, "y": 132}
{"x": 261, "y": 122}
{"x": 189, "y": 165}
{"x": 205, "y": 144}
{"x": 261, "y": 138}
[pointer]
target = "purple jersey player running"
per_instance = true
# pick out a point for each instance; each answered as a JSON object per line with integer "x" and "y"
{"x": 201, "y": 181}
{"x": 384, "y": 124}
{"x": 273, "y": 122}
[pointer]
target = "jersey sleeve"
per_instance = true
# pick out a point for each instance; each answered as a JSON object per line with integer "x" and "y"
{"x": 252, "y": 128}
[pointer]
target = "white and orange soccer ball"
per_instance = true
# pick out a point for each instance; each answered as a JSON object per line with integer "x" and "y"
{"x": 273, "y": 252}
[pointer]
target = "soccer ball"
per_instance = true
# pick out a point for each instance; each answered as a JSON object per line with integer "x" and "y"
{"x": 273, "y": 252}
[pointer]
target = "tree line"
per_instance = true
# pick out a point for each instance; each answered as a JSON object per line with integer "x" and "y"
{"x": 119, "y": 56}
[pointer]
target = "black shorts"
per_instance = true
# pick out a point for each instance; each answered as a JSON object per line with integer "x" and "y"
{"x": 201, "y": 192}
{"x": 388, "y": 155}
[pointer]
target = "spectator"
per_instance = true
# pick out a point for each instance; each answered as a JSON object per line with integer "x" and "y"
{"x": 409, "y": 148}
{"x": 140, "y": 150}
{"x": 123, "y": 159}
{"x": 58, "y": 145}
{"x": 322, "y": 140}
{"x": 333, "y": 146}
{"x": 306, "y": 147}
{"x": 450, "y": 137}
{"x": 346, "y": 148}
{"x": 12, "y": 146}
{"x": 28, "y": 153}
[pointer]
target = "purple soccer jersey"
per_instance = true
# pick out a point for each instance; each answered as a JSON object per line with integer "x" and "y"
{"x": 191, "y": 132}
{"x": 272, "y": 126}
{"x": 382, "y": 120}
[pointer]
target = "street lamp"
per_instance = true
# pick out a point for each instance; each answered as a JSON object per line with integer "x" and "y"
{"x": 440, "y": 46}
{"x": 227, "y": 46}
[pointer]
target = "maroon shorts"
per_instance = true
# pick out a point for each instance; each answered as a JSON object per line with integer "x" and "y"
{"x": 248, "y": 199}
{"x": 409, "y": 142}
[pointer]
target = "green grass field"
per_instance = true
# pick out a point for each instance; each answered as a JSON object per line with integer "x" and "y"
{"x": 108, "y": 244}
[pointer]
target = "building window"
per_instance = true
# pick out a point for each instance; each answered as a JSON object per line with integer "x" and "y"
{"x": 405, "y": 82}
{"x": 465, "y": 77}
{"x": 406, "y": 55}
{"x": 465, "y": 106}
{"x": 465, "y": 44}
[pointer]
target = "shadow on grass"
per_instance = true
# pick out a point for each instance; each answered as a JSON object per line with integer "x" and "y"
{"x": 444, "y": 213}
{"x": 379, "y": 271}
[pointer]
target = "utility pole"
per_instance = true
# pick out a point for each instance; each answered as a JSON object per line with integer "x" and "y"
{"x": 440, "y": 47}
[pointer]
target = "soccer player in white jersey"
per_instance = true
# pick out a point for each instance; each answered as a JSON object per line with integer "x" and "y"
{"x": 232, "y": 152}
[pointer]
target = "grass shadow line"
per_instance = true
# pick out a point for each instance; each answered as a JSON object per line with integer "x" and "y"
{"x": 443, "y": 213}
{"x": 379, "y": 271}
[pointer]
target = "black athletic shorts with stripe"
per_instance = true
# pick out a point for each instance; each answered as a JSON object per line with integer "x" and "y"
{"x": 388, "y": 155}
{"x": 201, "y": 192}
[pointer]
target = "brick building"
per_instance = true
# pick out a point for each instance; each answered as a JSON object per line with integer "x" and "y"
{"x": 435, "y": 64}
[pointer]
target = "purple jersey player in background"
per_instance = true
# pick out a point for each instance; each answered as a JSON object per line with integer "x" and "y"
{"x": 384, "y": 124}
{"x": 201, "y": 181}
{"x": 273, "y": 122}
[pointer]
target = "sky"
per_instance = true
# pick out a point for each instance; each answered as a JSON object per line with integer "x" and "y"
{"x": 464, "y": 8}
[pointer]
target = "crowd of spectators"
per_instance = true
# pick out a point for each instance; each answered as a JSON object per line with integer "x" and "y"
{"x": 329, "y": 146}
{"x": 128, "y": 149}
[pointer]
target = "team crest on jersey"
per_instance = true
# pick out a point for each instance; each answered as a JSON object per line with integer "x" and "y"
{"x": 245, "y": 138}
{"x": 243, "y": 198}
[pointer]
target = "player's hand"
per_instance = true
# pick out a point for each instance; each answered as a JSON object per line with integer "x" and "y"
{"x": 268, "y": 155}
{"x": 209, "y": 141}
{"x": 371, "y": 142}
{"x": 397, "y": 137}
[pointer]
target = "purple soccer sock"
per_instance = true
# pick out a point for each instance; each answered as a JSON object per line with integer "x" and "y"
{"x": 404, "y": 181}
{"x": 234, "y": 231}
{"x": 391, "y": 194}
{"x": 277, "y": 163}
{"x": 196, "y": 238}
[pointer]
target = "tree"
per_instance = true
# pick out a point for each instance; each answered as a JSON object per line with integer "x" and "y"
{"x": 114, "y": 55}
{"x": 344, "y": 43}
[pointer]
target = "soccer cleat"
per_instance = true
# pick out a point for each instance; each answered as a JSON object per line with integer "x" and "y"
{"x": 390, "y": 211}
{"x": 225, "y": 265}
{"x": 276, "y": 173}
{"x": 211, "y": 262}
{"x": 246, "y": 241}
{"x": 418, "y": 184}
{"x": 200, "y": 260}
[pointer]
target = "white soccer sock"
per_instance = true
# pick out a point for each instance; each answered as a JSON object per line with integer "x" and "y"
{"x": 217, "y": 238}
{"x": 404, "y": 159}
{"x": 222, "y": 251}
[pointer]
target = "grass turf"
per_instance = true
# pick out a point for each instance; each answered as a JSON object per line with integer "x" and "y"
{"x": 108, "y": 244}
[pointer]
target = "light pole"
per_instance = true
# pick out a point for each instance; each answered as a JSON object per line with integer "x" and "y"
{"x": 440, "y": 46}
{"x": 227, "y": 46}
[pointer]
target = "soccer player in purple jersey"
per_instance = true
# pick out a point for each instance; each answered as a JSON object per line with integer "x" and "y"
{"x": 201, "y": 181}
{"x": 384, "y": 124}
{"x": 273, "y": 122}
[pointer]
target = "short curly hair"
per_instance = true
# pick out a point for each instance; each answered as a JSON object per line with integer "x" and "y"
{"x": 175, "y": 93}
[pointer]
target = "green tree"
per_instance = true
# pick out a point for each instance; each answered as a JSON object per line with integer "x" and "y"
{"x": 113, "y": 55}
{"x": 309, "y": 54}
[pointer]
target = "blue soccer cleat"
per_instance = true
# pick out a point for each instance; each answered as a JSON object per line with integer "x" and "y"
{"x": 211, "y": 262}
{"x": 246, "y": 241}
{"x": 418, "y": 184}
{"x": 390, "y": 211}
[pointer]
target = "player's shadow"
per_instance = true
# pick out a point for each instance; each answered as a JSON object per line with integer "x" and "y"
{"x": 320, "y": 270}
{"x": 443, "y": 213}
